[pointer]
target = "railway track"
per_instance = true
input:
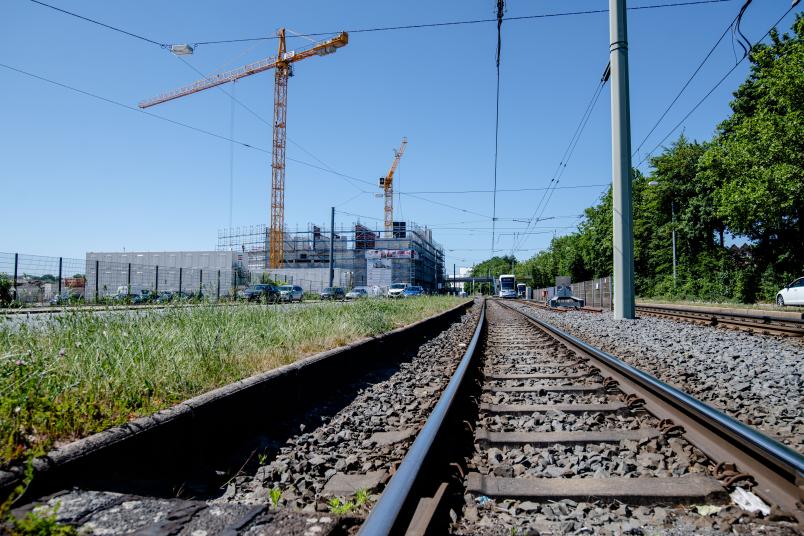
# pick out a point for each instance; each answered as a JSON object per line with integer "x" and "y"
{"x": 533, "y": 431}
{"x": 562, "y": 438}
{"x": 754, "y": 323}
{"x": 748, "y": 322}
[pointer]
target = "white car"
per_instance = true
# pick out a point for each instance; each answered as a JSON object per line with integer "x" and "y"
{"x": 792, "y": 294}
{"x": 396, "y": 290}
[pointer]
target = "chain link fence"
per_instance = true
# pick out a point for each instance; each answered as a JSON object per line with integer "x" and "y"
{"x": 34, "y": 280}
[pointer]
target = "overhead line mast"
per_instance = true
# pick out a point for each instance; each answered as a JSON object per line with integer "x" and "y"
{"x": 282, "y": 63}
{"x": 387, "y": 183}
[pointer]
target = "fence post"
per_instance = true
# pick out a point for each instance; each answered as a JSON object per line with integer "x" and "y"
{"x": 200, "y": 282}
{"x": 60, "y": 265}
{"x": 611, "y": 297}
{"x": 218, "y": 296}
{"x": 16, "y": 264}
{"x": 600, "y": 292}
{"x": 156, "y": 279}
{"x": 97, "y": 279}
{"x": 180, "y": 269}
{"x": 128, "y": 281}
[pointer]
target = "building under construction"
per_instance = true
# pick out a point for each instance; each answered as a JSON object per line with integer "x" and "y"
{"x": 362, "y": 256}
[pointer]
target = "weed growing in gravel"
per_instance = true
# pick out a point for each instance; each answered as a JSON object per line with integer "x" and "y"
{"x": 361, "y": 497}
{"x": 39, "y": 522}
{"x": 84, "y": 372}
{"x": 340, "y": 507}
{"x": 274, "y": 495}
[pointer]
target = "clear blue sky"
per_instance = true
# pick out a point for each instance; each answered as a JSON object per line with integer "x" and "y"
{"x": 80, "y": 175}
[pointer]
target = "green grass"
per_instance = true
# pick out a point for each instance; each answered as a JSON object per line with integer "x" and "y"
{"x": 85, "y": 372}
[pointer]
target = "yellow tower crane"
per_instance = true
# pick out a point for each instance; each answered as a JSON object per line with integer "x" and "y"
{"x": 387, "y": 184}
{"x": 282, "y": 64}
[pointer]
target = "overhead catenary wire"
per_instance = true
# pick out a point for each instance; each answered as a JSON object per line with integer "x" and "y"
{"x": 504, "y": 190}
{"x": 168, "y": 120}
{"x": 712, "y": 90}
{"x": 380, "y": 28}
{"x": 689, "y": 80}
{"x": 108, "y": 26}
{"x": 134, "y": 109}
{"x": 500, "y": 14}
{"x": 465, "y": 22}
{"x": 565, "y": 158}
{"x": 268, "y": 123}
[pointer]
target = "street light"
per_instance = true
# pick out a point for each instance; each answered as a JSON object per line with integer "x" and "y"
{"x": 182, "y": 49}
{"x": 673, "y": 224}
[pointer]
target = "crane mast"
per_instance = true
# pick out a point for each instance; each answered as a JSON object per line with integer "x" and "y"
{"x": 387, "y": 183}
{"x": 276, "y": 242}
{"x": 282, "y": 64}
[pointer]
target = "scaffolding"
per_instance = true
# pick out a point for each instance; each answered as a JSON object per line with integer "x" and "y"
{"x": 362, "y": 254}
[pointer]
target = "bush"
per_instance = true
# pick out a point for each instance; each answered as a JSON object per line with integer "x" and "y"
{"x": 5, "y": 290}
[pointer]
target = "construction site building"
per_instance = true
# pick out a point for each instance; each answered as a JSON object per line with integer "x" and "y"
{"x": 362, "y": 256}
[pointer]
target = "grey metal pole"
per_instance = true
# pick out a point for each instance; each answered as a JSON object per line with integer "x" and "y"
{"x": 128, "y": 281}
{"x": 218, "y": 292}
{"x": 16, "y": 266}
{"x": 624, "y": 306}
{"x": 454, "y": 284}
{"x": 97, "y": 279}
{"x": 180, "y": 274}
{"x": 332, "y": 247}
{"x": 60, "y": 263}
{"x": 156, "y": 280}
{"x": 673, "y": 213}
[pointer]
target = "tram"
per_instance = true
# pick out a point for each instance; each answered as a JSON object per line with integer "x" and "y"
{"x": 520, "y": 290}
{"x": 507, "y": 286}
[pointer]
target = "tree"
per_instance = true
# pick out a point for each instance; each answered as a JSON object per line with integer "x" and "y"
{"x": 756, "y": 161}
{"x": 495, "y": 266}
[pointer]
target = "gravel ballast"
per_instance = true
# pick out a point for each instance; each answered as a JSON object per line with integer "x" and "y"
{"x": 359, "y": 447}
{"x": 758, "y": 379}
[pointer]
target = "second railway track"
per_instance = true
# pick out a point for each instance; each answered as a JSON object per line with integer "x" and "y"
{"x": 564, "y": 439}
{"x": 751, "y": 322}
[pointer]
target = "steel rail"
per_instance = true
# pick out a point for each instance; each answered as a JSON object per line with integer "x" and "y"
{"x": 764, "y": 320}
{"x": 770, "y": 452}
{"x": 385, "y": 514}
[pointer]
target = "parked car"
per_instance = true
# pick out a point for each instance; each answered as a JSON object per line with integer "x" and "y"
{"x": 357, "y": 293}
{"x": 66, "y": 297}
{"x": 146, "y": 296}
{"x": 333, "y": 293}
{"x": 396, "y": 290}
{"x": 261, "y": 292}
{"x": 291, "y": 293}
{"x": 165, "y": 296}
{"x": 413, "y": 290}
{"x": 792, "y": 294}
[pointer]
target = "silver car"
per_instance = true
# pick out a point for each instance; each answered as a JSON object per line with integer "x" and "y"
{"x": 291, "y": 293}
{"x": 357, "y": 293}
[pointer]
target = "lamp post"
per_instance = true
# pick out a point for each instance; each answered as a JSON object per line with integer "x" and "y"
{"x": 673, "y": 228}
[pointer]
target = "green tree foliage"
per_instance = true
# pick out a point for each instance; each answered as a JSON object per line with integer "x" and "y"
{"x": 755, "y": 164}
{"x": 495, "y": 267}
{"x": 745, "y": 186}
